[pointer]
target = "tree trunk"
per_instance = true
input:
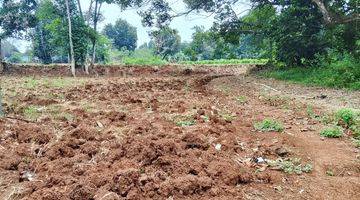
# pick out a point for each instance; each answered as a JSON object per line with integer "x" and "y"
{"x": 96, "y": 13}
{"x": 70, "y": 39}
{"x": 1, "y": 70}
{"x": 80, "y": 10}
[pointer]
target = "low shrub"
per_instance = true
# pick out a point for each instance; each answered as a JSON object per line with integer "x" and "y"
{"x": 269, "y": 125}
{"x": 332, "y": 132}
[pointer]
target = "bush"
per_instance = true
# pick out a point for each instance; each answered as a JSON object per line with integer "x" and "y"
{"x": 346, "y": 116}
{"x": 269, "y": 125}
{"x": 138, "y": 57}
{"x": 332, "y": 132}
{"x": 340, "y": 72}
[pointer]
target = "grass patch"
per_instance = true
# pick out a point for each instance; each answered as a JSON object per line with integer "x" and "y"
{"x": 31, "y": 83}
{"x": 339, "y": 74}
{"x": 332, "y": 132}
{"x": 241, "y": 99}
{"x": 268, "y": 125}
{"x": 226, "y": 62}
{"x": 32, "y": 112}
{"x": 185, "y": 123}
{"x": 291, "y": 165}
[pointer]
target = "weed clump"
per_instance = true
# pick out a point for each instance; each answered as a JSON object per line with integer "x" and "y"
{"x": 185, "y": 123}
{"x": 332, "y": 132}
{"x": 32, "y": 112}
{"x": 290, "y": 165}
{"x": 269, "y": 125}
{"x": 241, "y": 99}
{"x": 346, "y": 117}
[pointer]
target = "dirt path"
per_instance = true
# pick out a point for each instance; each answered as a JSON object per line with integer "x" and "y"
{"x": 164, "y": 134}
{"x": 337, "y": 157}
{"x": 330, "y": 99}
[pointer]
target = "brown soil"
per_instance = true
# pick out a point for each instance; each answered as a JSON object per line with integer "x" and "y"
{"x": 163, "y": 133}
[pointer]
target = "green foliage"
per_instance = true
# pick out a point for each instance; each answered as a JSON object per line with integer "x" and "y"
{"x": 50, "y": 37}
{"x": 269, "y": 125}
{"x": 298, "y": 33}
{"x": 142, "y": 56}
{"x": 103, "y": 49}
{"x": 185, "y": 123}
{"x": 241, "y": 99}
{"x": 15, "y": 58}
{"x": 122, "y": 34}
{"x": 291, "y": 165}
{"x": 346, "y": 116}
{"x": 16, "y": 17}
{"x": 332, "y": 132}
{"x": 167, "y": 41}
{"x": 32, "y": 112}
{"x": 340, "y": 73}
{"x": 226, "y": 62}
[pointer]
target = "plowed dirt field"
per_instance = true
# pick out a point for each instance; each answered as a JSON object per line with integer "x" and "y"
{"x": 165, "y": 133}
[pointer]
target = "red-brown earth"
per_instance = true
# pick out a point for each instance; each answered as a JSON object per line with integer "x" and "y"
{"x": 163, "y": 133}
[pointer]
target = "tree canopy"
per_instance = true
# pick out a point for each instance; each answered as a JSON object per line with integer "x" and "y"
{"x": 122, "y": 34}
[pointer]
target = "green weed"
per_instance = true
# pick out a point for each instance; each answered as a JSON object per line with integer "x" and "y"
{"x": 226, "y": 62}
{"x": 330, "y": 173}
{"x": 346, "y": 116}
{"x": 269, "y": 125}
{"x": 32, "y": 112}
{"x": 185, "y": 123}
{"x": 291, "y": 165}
{"x": 241, "y": 99}
{"x": 31, "y": 83}
{"x": 332, "y": 132}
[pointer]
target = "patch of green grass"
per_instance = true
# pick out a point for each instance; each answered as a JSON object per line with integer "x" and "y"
{"x": 144, "y": 61}
{"x": 186, "y": 123}
{"x": 356, "y": 142}
{"x": 269, "y": 125}
{"x": 31, "y": 83}
{"x": 32, "y": 112}
{"x": 241, "y": 99}
{"x": 228, "y": 116}
{"x": 343, "y": 73}
{"x": 291, "y": 165}
{"x": 226, "y": 62}
{"x": 332, "y": 132}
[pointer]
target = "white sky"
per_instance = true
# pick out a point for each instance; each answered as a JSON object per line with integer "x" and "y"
{"x": 183, "y": 24}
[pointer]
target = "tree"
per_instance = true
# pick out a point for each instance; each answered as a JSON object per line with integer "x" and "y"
{"x": 122, "y": 34}
{"x": 167, "y": 41}
{"x": 15, "y": 17}
{"x": 72, "y": 56}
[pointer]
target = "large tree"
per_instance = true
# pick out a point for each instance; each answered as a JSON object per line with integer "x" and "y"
{"x": 122, "y": 34}
{"x": 167, "y": 41}
{"x": 15, "y": 17}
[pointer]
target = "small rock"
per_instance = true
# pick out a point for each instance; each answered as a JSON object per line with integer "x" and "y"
{"x": 100, "y": 125}
{"x": 278, "y": 188}
{"x": 27, "y": 176}
{"x": 259, "y": 160}
{"x": 218, "y": 147}
{"x": 201, "y": 112}
{"x": 281, "y": 151}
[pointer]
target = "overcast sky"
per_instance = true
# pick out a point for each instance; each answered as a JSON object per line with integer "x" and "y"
{"x": 183, "y": 24}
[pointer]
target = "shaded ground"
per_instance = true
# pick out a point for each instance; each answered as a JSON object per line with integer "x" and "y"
{"x": 164, "y": 133}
